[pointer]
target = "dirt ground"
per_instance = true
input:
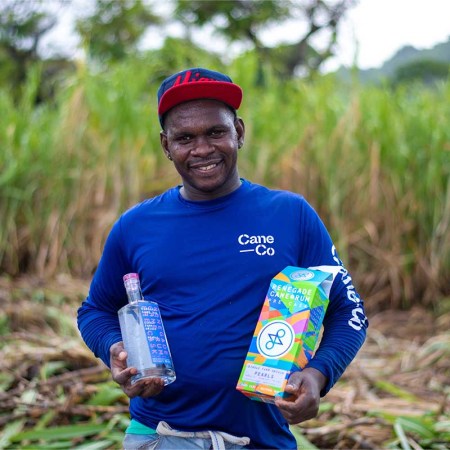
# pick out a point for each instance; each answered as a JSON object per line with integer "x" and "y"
{"x": 403, "y": 370}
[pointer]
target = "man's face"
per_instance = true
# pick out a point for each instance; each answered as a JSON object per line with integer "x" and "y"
{"x": 202, "y": 138}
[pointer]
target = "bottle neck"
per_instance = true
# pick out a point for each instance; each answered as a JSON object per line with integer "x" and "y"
{"x": 133, "y": 289}
{"x": 134, "y": 296}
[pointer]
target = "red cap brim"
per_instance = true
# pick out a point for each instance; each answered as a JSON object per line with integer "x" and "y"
{"x": 228, "y": 93}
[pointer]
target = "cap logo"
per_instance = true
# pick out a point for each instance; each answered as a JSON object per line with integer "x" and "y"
{"x": 187, "y": 78}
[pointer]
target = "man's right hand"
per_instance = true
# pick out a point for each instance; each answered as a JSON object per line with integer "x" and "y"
{"x": 122, "y": 374}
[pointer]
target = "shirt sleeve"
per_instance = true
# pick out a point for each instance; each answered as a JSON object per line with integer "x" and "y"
{"x": 345, "y": 322}
{"x": 98, "y": 320}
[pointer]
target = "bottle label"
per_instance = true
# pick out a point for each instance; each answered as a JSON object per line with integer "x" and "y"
{"x": 156, "y": 336}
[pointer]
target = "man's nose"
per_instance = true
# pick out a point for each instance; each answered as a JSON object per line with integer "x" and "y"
{"x": 202, "y": 146}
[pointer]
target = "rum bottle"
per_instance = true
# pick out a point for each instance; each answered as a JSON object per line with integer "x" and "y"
{"x": 143, "y": 335}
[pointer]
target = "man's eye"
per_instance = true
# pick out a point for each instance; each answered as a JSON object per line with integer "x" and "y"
{"x": 217, "y": 133}
{"x": 184, "y": 139}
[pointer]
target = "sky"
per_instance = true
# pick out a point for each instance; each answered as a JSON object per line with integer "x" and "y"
{"x": 372, "y": 32}
{"x": 381, "y": 27}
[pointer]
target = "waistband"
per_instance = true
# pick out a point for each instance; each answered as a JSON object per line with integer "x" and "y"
{"x": 218, "y": 438}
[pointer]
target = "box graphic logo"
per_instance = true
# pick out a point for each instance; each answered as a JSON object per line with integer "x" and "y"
{"x": 302, "y": 275}
{"x": 275, "y": 339}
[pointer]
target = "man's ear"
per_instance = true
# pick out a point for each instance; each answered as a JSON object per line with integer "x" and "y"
{"x": 163, "y": 140}
{"x": 240, "y": 130}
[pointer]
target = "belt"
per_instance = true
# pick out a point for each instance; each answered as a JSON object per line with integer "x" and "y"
{"x": 218, "y": 438}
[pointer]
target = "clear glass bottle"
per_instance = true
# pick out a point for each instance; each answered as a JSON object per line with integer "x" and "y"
{"x": 143, "y": 335}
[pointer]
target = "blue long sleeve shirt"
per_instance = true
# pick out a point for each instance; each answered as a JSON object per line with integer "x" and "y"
{"x": 209, "y": 265}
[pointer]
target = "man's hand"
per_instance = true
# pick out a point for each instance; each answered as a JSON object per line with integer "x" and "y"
{"x": 147, "y": 387}
{"x": 303, "y": 403}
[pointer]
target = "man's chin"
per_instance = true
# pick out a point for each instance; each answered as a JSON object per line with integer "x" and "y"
{"x": 205, "y": 190}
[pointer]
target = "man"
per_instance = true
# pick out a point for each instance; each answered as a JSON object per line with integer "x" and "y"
{"x": 192, "y": 248}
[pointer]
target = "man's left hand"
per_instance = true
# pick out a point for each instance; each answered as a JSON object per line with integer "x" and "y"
{"x": 303, "y": 403}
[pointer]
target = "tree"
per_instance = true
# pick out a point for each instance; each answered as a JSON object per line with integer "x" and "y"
{"x": 244, "y": 20}
{"x": 22, "y": 26}
{"x": 426, "y": 71}
{"x": 115, "y": 28}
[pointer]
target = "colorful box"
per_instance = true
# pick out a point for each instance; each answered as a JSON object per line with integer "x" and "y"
{"x": 287, "y": 331}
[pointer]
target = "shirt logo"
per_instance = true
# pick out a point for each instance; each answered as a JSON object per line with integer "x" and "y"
{"x": 261, "y": 245}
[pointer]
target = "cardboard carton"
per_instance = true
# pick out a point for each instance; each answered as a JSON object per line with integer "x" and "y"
{"x": 287, "y": 331}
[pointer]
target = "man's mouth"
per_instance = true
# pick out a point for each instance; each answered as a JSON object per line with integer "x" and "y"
{"x": 206, "y": 168}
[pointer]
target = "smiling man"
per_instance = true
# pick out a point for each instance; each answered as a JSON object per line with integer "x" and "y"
{"x": 202, "y": 137}
{"x": 206, "y": 251}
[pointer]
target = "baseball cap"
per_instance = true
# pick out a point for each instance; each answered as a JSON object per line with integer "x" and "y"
{"x": 197, "y": 83}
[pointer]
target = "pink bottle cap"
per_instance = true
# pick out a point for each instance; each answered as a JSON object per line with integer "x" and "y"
{"x": 130, "y": 276}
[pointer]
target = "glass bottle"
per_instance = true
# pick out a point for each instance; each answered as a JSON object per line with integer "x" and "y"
{"x": 143, "y": 335}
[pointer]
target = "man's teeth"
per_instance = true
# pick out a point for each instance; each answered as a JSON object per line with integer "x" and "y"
{"x": 205, "y": 168}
